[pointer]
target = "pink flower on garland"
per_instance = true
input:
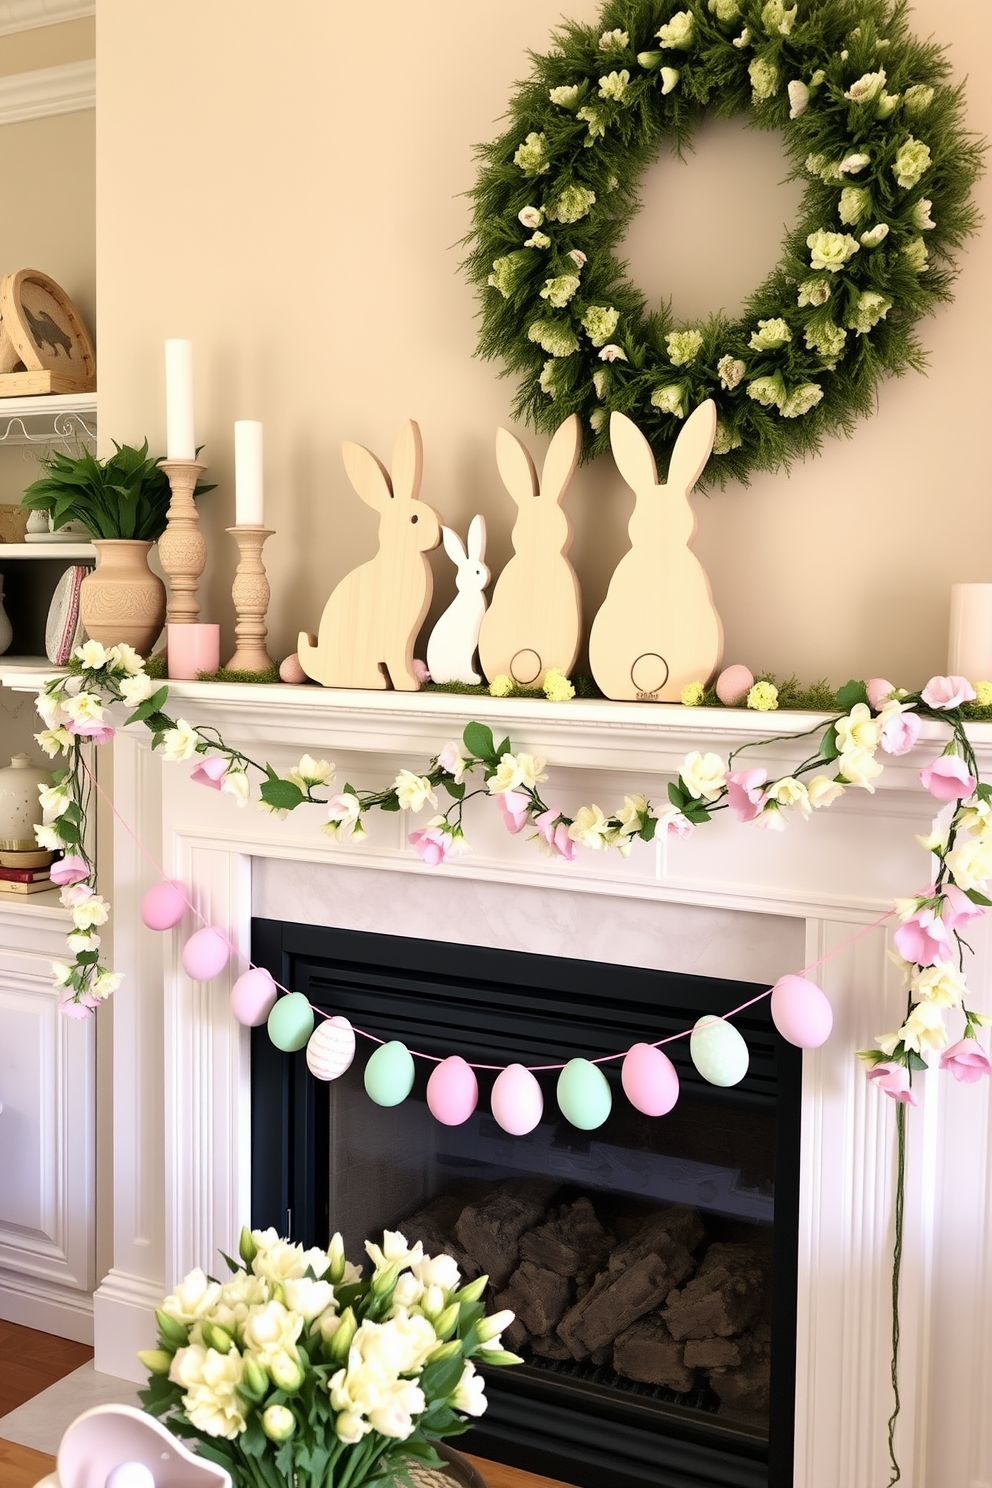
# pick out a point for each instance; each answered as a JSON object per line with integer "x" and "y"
{"x": 948, "y": 778}
{"x": 923, "y": 939}
{"x": 209, "y": 770}
{"x": 957, "y": 909}
{"x": 967, "y": 1061}
{"x": 434, "y": 844}
{"x": 71, "y": 869}
{"x": 948, "y": 692}
{"x": 554, "y": 833}
{"x": 900, "y": 732}
{"x": 513, "y": 808}
{"x": 893, "y": 1079}
{"x": 89, "y": 728}
{"x": 744, "y": 793}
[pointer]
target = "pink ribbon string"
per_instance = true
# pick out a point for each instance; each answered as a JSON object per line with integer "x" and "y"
{"x": 436, "y": 1058}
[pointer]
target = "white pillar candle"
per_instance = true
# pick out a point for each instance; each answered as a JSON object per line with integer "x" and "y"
{"x": 179, "y": 441}
{"x": 969, "y": 651}
{"x": 248, "y": 511}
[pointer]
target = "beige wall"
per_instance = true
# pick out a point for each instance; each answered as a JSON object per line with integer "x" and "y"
{"x": 285, "y": 186}
{"x": 48, "y": 196}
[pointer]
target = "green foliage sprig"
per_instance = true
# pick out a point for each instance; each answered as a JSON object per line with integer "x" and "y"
{"x": 871, "y": 122}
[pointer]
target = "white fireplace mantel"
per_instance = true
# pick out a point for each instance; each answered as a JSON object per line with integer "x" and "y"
{"x": 181, "y": 1086}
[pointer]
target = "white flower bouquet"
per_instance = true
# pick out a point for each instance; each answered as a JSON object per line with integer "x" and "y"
{"x": 298, "y": 1372}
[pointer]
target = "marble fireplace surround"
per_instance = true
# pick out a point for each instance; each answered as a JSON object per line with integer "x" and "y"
{"x": 731, "y": 901}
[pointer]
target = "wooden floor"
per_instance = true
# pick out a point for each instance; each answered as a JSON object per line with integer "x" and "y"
{"x": 31, "y": 1361}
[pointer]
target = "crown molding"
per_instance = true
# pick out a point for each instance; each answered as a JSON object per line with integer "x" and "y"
{"x": 28, "y": 15}
{"x": 50, "y": 90}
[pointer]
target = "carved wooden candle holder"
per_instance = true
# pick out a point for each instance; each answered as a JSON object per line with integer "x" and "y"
{"x": 182, "y": 548}
{"x": 250, "y": 593}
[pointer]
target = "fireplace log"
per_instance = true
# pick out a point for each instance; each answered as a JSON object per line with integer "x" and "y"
{"x": 490, "y": 1229}
{"x": 646, "y": 1351}
{"x": 549, "y": 1346}
{"x": 747, "y": 1388}
{"x": 572, "y": 1242}
{"x": 620, "y": 1296}
{"x": 713, "y": 1353}
{"x": 724, "y": 1296}
{"x": 538, "y": 1296}
{"x": 678, "y": 1223}
{"x": 434, "y": 1227}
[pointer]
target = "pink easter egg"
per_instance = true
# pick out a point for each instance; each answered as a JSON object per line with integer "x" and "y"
{"x": 801, "y": 1012}
{"x": 733, "y": 685}
{"x": 291, "y": 671}
{"x": 205, "y": 954}
{"x": 331, "y": 1048}
{"x": 164, "y": 905}
{"x": 517, "y": 1102}
{"x": 253, "y": 997}
{"x": 452, "y": 1091}
{"x": 649, "y": 1080}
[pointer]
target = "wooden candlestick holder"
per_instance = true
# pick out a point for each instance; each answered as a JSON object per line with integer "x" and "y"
{"x": 182, "y": 548}
{"x": 250, "y": 593}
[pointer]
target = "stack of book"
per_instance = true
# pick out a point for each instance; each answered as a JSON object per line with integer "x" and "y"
{"x": 25, "y": 880}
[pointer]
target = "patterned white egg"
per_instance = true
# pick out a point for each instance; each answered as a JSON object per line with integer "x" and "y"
{"x": 331, "y": 1048}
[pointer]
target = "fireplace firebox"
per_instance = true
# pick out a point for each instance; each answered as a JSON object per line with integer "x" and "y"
{"x": 651, "y": 1262}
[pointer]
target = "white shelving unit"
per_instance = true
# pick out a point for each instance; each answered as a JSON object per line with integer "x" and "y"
{"x": 63, "y": 418}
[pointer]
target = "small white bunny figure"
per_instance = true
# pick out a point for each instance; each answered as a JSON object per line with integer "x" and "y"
{"x": 453, "y": 641}
{"x": 658, "y": 629}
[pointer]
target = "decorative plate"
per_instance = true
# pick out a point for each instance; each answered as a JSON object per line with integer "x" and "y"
{"x": 41, "y": 324}
{"x": 63, "y": 630}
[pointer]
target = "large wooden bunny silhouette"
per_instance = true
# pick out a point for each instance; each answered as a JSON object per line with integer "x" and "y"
{"x": 534, "y": 617}
{"x": 657, "y": 628}
{"x": 371, "y": 621}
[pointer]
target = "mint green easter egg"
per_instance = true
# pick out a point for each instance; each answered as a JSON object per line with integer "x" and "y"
{"x": 389, "y": 1074}
{"x": 584, "y": 1094}
{"x": 718, "y": 1051}
{"x": 290, "y": 1022}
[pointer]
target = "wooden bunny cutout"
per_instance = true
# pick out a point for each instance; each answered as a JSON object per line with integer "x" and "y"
{"x": 657, "y": 629}
{"x": 371, "y": 621}
{"x": 453, "y": 641}
{"x": 533, "y": 621}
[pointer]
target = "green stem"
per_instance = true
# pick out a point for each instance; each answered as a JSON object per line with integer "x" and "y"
{"x": 896, "y": 1269}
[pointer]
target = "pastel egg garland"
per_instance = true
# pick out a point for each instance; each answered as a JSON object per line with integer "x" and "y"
{"x": 389, "y": 1074}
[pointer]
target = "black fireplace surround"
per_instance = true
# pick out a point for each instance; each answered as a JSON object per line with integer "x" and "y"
{"x": 496, "y": 1007}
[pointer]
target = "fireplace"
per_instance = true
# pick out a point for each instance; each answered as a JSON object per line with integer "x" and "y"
{"x": 180, "y": 1081}
{"x": 652, "y": 1262}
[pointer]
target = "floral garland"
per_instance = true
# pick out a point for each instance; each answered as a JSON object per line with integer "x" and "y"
{"x": 869, "y": 121}
{"x": 877, "y": 718}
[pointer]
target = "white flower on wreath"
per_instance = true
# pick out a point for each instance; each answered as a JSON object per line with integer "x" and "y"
{"x": 764, "y": 77}
{"x": 801, "y": 399}
{"x": 559, "y": 290}
{"x": 912, "y": 161}
{"x": 599, "y": 323}
{"x": 669, "y": 398}
{"x": 85, "y": 707}
{"x": 612, "y": 353}
{"x": 790, "y": 792}
{"x": 830, "y": 250}
{"x": 413, "y": 791}
{"x": 344, "y": 818}
{"x": 679, "y": 31}
{"x": 530, "y": 217}
{"x": 54, "y": 741}
{"x": 532, "y": 156}
{"x": 669, "y": 79}
{"x": 48, "y": 838}
{"x": 564, "y": 97}
{"x": 859, "y": 729}
{"x": 823, "y": 791}
{"x": 614, "y": 85}
{"x": 859, "y": 767}
{"x": 703, "y": 775}
{"x": 614, "y": 41}
{"x": 730, "y": 370}
{"x": 54, "y": 800}
{"x": 924, "y": 1029}
{"x": 921, "y": 218}
{"x": 683, "y": 346}
{"x": 180, "y": 743}
{"x": 235, "y": 783}
{"x": 776, "y": 19}
{"x": 91, "y": 911}
{"x": 916, "y": 253}
{"x": 724, "y": 10}
{"x": 875, "y": 235}
{"x": 770, "y": 335}
{"x": 798, "y": 98}
{"x": 918, "y": 98}
{"x": 970, "y": 862}
{"x": 867, "y": 88}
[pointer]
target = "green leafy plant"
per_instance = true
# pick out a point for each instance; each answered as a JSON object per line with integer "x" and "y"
{"x": 125, "y": 496}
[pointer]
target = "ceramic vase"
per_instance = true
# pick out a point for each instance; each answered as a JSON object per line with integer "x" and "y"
{"x": 122, "y": 600}
{"x": 20, "y": 808}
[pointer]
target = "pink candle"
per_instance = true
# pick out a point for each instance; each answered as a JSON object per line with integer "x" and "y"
{"x": 192, "y": 649}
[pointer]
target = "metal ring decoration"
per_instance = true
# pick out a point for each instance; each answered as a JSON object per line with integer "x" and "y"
{"x": 870, "y": 122}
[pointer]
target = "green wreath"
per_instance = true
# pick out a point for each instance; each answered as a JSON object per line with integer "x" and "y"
{"x": 870, "y": 122}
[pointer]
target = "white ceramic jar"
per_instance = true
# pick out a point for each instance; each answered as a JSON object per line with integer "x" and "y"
{"x": 20, "y": 808}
